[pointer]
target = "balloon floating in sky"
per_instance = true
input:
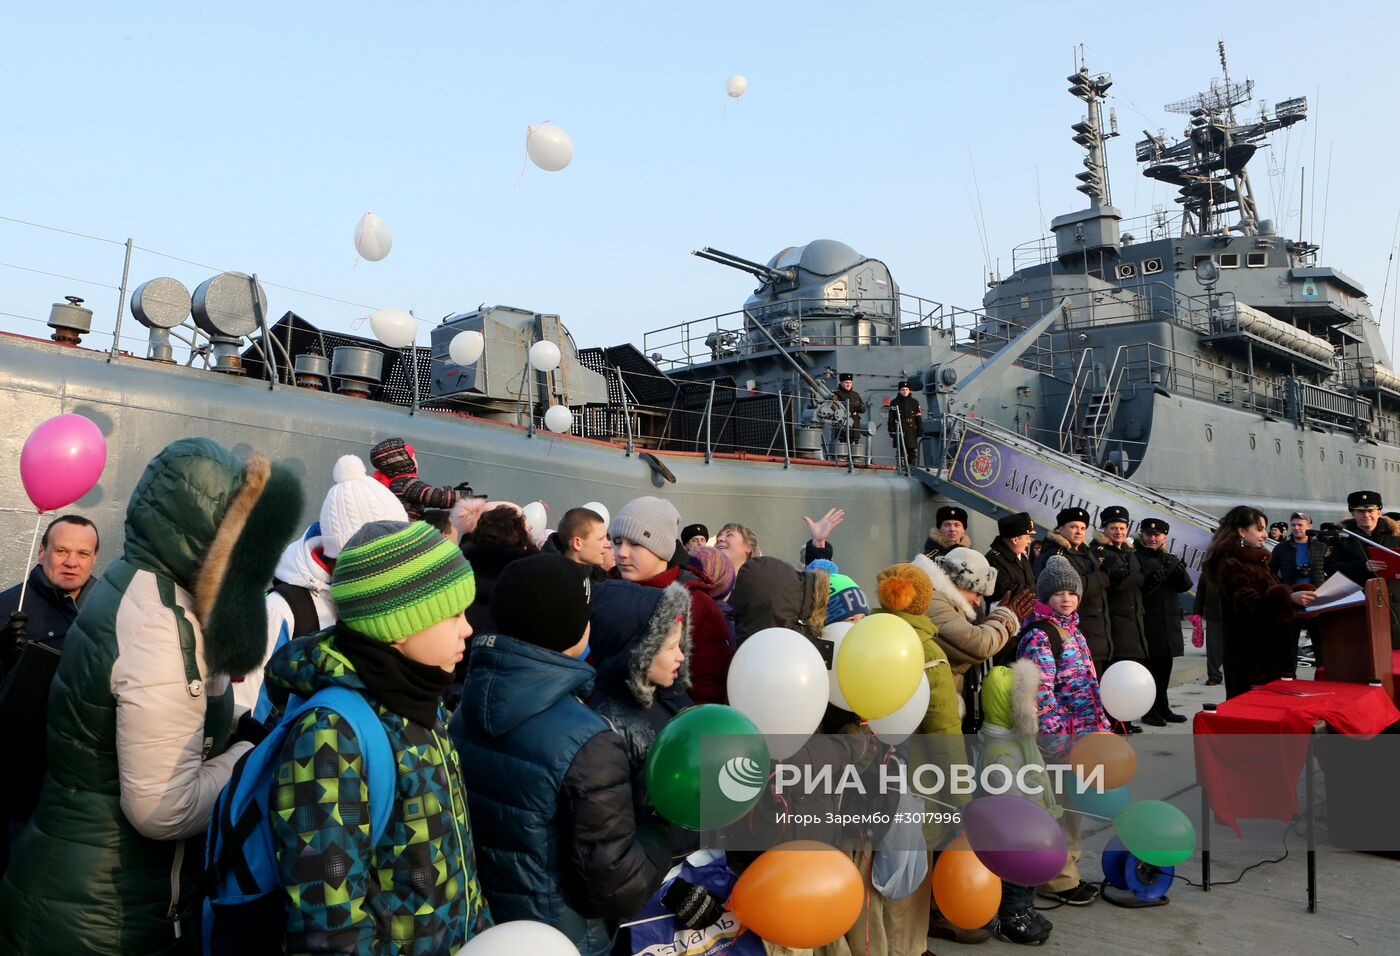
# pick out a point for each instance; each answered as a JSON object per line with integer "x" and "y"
{"x": 559, "y": 419}
{"x": 394, "y": 327}
{"x": 466, "y": 347}
{"x": 544, "y": 356}
{"x": 373, "y": 240}
{"x": 737, "y": 85}
{"x": 549, "y": 147}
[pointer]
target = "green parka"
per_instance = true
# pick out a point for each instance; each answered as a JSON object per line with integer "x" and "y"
{"x": 141, "y": 711}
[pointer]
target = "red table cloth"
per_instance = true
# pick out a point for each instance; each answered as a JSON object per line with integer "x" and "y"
{"x": 1250, "y": 751}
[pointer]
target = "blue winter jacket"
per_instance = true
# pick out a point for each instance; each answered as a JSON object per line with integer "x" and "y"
{"x": 550, "y": 796}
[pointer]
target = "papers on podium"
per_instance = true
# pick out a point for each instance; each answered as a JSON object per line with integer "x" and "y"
{"x": 1337, "y": 591}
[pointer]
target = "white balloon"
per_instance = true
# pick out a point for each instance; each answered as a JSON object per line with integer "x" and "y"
{"x": 549, "y": 147}
{"x": 394, "y": 327}
{"x": 897, "y": 727}
{"x": 778, "y": 680}
{"x": 373, "y": 240}
{"x": 559, "y": 419}
{"x": 544, "y": 356}
{"x": 535, "y": 515}
{"x": 520, "y": 938}
{"x": 597, "y": 508}
{"x": 466, "y": 346}
{"x": 836, "y": 633}
{"x": 1127, "y": 690}
{"x": 736, "y": 86}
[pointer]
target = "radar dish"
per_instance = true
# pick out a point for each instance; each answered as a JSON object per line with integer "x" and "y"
{"x": 1220, "y": 98}
{"x": 160, "y": 303}
{"x": 224, "y": 305}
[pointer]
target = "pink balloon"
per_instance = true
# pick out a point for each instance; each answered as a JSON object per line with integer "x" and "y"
{"x": 61, "y": 461}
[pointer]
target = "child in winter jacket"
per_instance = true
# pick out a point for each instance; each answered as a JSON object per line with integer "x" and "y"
{"x": 1067, "y": 700}
{"x": 1007, "y": 738}
{"x": 401, "y": 591}
{"x": 550, "y": 787}
{"x": 396, "y": 468}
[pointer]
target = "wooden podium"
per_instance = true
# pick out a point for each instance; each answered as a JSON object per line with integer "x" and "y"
{"x": 1355, "y": 639}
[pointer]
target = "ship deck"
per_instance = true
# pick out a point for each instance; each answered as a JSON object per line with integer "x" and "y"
{"x": 1262, "y": 915}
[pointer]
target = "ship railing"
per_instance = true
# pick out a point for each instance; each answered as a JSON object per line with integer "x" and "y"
{"x": 1151, "y": 364}
{"x": 656, "y": 412}
{"x": 1148, "y": 227}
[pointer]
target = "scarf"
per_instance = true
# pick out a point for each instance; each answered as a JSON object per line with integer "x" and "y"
{"x": 404, "y": 686}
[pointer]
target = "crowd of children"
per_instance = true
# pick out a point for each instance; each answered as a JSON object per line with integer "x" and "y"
{"x": 500, "y": 774}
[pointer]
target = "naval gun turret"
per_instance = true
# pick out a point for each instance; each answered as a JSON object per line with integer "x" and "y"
{"x": 821, "y": 294}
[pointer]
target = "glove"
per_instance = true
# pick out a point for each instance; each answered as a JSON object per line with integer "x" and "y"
{"x": 693, "y": 906}
{"x": 12, "y": 640}
{"x": 248, "y": 729}
{"x": 464, "y": 488}
{"x": 1021, "y": 604}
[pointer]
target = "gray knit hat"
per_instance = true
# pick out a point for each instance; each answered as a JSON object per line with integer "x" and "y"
{"x": 652, "y": 523}
{"x": 1058, "y": 575}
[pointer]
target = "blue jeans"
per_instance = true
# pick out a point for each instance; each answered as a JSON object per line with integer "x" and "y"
{"x": 1015, "y": 898}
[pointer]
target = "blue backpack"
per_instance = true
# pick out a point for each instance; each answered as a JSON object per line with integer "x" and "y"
{"x": 245, "y": 908}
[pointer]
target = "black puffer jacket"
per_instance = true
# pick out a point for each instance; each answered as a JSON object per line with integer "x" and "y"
{"x": 1093, "y": 606}
{"x": 769, "y": 592}
{"x": 487, "y": 561}
{"x": 1161, "y": 604}
{"x": 1014, "y": 572}
{"x": 1125, "y": 585}
{"x": 630, "y": 626}
{"x": 1349, "y": 557}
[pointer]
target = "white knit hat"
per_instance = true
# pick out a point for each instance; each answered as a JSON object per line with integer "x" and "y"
{"x": 653, "y": 523}
{"x": 353, "y": 502}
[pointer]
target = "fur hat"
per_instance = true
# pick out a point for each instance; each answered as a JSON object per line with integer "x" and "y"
{"x": 392, "y": 457}
{"x": 1058, "y": 575}
{"x": 1072, "y": 514}
{"x": 950, "y": 513}
{"x": 1364, "y": 499}
{"x": 1013, "y": 526}
{"x": 651, "y": 523}
{"x": 904, "y": 587}
{"x": 1158, "y": 526}
{"x": 1112, "y": 514}
{"x": 354, "y": 501}
{"x": 695, "y": 531}
{"x": 969, "y": 570}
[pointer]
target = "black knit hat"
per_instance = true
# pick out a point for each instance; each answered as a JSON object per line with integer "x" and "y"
{"x": 694, "y": 531}
{"x": 392, "y": 456}
{"x": 1154, "y": 526}
{"x": 1072, "y": 514}
{"x": 543, "y": 600}
{"x": 1015, "y": 525}
{"x": 1112, "y": 514}
{"x": 1363, "y": 499}
{"x": 950, "y": 513}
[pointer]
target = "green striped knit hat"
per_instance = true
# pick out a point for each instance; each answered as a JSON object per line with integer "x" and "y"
{"x": 394, "y": 579}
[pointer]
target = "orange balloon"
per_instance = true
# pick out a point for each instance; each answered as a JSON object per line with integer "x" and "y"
{"x": 966, "y": 892}
{"x": 801, "y": 894}
{"x": 1109, "y": 751}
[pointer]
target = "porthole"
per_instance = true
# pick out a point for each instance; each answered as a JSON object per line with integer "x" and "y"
{"x": 1278, "y": 447}
{"x": 1210, "y": 434}
{"x": 1322, "y": 454}
{"x": 1341, "y": 458}
{"x": 1300, "y": 449}
{"x": 1252, "y": 444}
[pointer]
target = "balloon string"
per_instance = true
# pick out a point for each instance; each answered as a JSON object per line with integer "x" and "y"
{"x": 38, "y": 520}
{"x": 649, "y": 919}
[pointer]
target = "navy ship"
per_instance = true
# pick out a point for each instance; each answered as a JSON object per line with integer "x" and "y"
{"x": 1176, "y": 364}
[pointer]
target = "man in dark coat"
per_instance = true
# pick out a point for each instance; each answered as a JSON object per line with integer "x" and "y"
{"x": 1072, "y": 524}
{"x": 1350, "y": 556}
{"x": 56, "y": 588}
{"x": 1165, "y": 579}
{"x": 1125, "y": 580}
{"x": 1299, "y": 558}
{"x": 847, "y": 396}
{"x": 1010, "y": 557}
{"x": 949, "y": 532}
{"x": 906, "y": 424}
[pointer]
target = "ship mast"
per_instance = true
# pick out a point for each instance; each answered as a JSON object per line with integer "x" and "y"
{"x": 1090, "y": 134}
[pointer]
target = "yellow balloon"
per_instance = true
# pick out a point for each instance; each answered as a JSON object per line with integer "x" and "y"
{"x": 879, "y": 664}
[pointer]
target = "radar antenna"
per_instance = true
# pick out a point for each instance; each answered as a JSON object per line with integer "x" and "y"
{"x": 1208, "y": 164}
{"x": 1090, "y": 134}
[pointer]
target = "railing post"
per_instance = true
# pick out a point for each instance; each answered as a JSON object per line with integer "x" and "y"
{"x": 709, "y": 410}
{"x": 121, "y": 304}
{"x": 626, "y": 408}
{"x": 782, "y": 426}
{"x": 269, "y": 357}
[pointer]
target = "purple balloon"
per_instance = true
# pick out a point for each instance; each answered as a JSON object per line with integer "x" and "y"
{"x": 61, "y": 461}
{"x": 1015, "y": 838}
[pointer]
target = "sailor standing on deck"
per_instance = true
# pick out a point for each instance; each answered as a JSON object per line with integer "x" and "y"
{"x": 906, "y": 424}
{"x": 854, "y": 406}
{"x": 1350, "y": 556}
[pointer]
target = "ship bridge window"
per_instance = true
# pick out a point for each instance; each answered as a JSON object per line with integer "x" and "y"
{"x": 1229, "y": 260}
{"x": 1256, "y": 260}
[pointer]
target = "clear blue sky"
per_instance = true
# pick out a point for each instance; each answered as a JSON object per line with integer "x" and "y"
{"x": 251, "y": 137}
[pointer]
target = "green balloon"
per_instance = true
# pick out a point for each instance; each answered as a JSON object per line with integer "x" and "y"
{"x": 707, "y": 767}
{"x": 1156, "y": 832}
